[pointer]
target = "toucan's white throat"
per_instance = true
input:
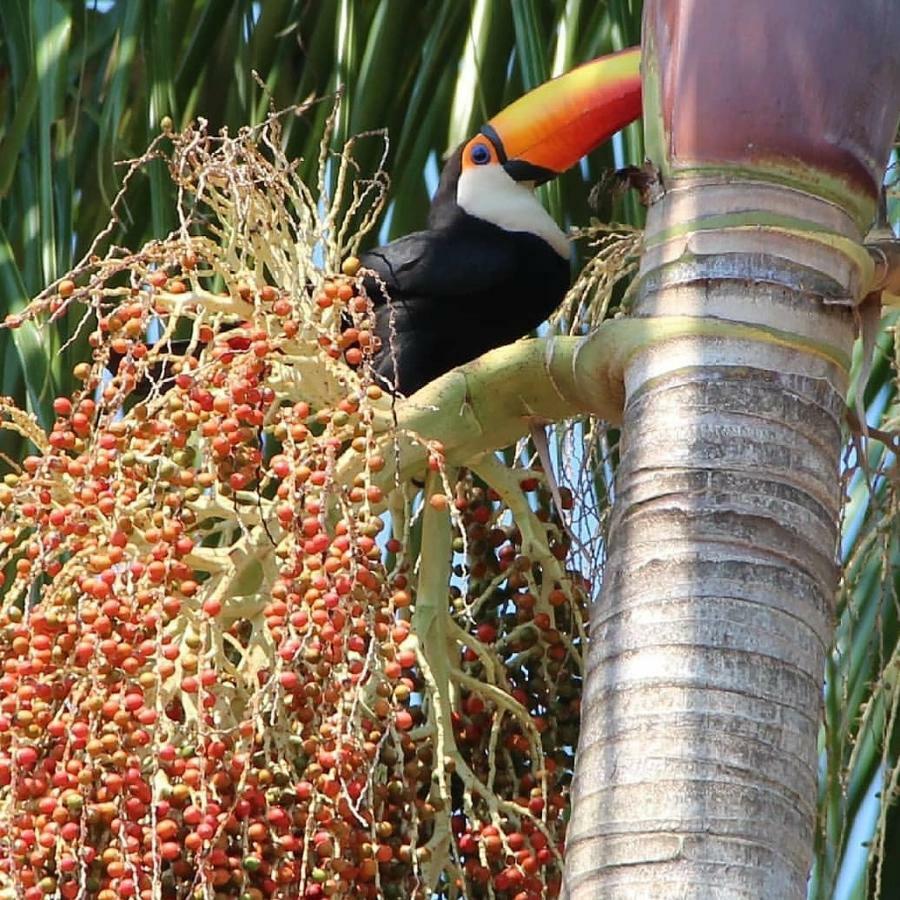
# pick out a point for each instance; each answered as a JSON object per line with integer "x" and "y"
{"x": 488, "y": 192}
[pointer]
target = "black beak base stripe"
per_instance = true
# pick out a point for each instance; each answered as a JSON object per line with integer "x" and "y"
{"x": 520, "y": 170}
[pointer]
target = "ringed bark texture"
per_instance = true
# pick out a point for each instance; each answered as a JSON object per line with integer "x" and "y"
{"x": 696, "y": 768}
{"x": 696, "y": 773}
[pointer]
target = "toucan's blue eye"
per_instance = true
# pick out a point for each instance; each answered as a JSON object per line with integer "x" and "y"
{"x": 480, "y": 155}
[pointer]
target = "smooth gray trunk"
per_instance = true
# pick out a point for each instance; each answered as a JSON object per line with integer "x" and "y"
{"x": 696, "y": 770}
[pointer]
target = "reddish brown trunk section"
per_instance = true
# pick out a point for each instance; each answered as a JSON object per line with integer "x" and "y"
{"x": 735, "y": 91}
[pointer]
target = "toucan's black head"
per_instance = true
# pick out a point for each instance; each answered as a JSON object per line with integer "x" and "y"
{"x": 485, "y": 149}
{"x": 474, "y": 182}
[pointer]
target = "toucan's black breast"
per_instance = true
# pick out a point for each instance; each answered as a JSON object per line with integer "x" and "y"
{"x": 455, "y": 292}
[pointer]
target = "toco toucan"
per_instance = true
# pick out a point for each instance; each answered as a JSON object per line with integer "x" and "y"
{"x": 492, "y": 264}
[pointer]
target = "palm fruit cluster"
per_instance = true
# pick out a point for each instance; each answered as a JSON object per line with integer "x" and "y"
{"x": 223, "y": 672}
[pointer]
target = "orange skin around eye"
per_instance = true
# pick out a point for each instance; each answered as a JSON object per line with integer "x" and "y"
{"x": 479, "y": 140}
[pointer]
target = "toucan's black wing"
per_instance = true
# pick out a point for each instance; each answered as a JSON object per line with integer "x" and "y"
{"x": 445, "y": 263}
{"x": 445, "y": 296}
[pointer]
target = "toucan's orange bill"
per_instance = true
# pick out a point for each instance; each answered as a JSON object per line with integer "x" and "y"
{"x": 560, "y": 121}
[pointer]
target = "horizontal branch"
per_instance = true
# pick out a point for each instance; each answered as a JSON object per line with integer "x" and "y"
{"x": 491, "y": 402}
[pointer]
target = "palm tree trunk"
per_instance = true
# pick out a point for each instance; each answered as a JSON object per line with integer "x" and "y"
{"x": 696, "y": 771}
